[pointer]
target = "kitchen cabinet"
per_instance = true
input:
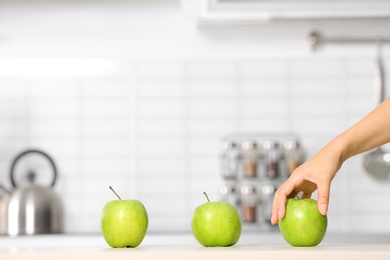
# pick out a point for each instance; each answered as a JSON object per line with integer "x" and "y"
{"x": 254, "y": 11}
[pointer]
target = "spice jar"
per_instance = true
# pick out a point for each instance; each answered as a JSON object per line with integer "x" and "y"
{"x": 228, "y": 193}
{"x": 248, "y": 203}
{"x": 294, "y": 155}
{"x": 250, "y": 156}
{"x": 272, "y": 157}
{"x": 229, "y": 160}
{"x": 267, "y": 198}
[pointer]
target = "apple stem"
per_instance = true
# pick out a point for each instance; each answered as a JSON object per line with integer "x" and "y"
{"x": 207, "y": 197}
{"x": 115, "y": 192}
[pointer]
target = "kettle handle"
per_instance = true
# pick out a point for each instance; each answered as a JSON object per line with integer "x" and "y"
{"x": 28, "y": 152}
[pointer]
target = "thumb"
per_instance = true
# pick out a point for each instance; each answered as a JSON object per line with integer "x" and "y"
{"x": 323, "y": 198}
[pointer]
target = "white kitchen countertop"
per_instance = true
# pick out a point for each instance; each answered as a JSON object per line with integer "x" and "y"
{"x": 184, "y": 246}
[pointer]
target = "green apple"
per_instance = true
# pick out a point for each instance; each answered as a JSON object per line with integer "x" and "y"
{"x": 303, "y": 224}
{"x": 124, "y": 222}
{"x": 216, "y": 224}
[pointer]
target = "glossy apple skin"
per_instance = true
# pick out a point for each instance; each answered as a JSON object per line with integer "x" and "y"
{"x": 303, "y": 224}
{"x": 124, "y": 223}
{"x": 216, "y": 224}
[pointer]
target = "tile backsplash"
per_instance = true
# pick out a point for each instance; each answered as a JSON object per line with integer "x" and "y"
{"x": 151, "y": 128}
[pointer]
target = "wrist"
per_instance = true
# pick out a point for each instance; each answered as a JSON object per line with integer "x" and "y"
{"x": 339, "y": 150}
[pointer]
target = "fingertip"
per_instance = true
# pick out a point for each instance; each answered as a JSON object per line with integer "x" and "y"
{"x": 323, "y": 200}
{"x": 273, "y": 220}
{"x": 274, "y": 217}
{"x": 323, "y": 208}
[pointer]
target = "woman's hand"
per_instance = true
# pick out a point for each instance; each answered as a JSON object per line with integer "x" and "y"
{"x": 315, "y": 174}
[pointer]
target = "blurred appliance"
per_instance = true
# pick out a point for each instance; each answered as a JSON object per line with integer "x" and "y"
{"x": 30, "y": 208}
{"x": 252, "y": 168}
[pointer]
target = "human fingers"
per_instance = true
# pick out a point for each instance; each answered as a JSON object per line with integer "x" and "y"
{"x": 279, "y": 204}
{"x": 323, "y": 197}
{"x": 278, "y": 209}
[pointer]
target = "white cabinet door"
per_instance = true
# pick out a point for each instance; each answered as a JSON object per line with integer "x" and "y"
{"x": 238, "y": 11}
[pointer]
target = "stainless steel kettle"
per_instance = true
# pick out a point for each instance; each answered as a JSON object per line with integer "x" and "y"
{"x": 4, "y": 199}
{"x": 33, "y": 209}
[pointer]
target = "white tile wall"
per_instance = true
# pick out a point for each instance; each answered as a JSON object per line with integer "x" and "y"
{"x": 151, "y": 128}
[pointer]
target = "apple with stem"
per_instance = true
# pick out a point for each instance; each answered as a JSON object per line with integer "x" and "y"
{"x": 303, "y": 224}
{"x": 216, "y": 224}
{"x": 124, "y": 222}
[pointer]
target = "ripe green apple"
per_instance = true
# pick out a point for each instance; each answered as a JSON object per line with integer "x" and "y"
{"x": 303, "y": 224}
{"x": 216, "y": 224}
{"x": 124, "y": 222}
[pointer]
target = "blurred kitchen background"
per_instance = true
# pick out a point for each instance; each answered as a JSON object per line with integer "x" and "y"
{"x": 137, "y": 94}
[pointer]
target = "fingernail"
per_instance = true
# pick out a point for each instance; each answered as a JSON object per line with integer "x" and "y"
{"x": 323, "y": 209}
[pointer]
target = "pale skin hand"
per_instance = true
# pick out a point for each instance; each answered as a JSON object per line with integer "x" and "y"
{"x": 318, "y": 173}
{"x": 306, "y": 179}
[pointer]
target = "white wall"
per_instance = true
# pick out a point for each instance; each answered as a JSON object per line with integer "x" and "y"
{"x": 135, "y": 95}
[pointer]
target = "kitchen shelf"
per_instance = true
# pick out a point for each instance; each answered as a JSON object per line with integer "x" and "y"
{"x": 316, "y": 40}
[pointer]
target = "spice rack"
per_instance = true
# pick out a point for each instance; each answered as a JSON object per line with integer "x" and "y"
{"x": 252, "y": 167}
